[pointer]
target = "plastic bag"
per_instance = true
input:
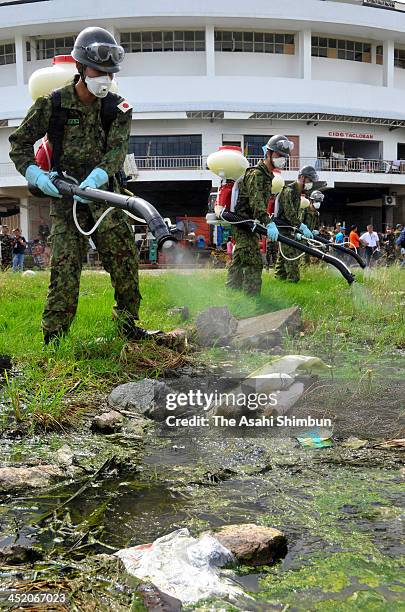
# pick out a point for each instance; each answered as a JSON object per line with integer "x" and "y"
{"x": 182, "y": 566}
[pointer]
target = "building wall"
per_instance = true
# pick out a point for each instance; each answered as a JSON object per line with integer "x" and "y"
{"x": 256, "y": 64}
{"x": 344, "y": 71}
{"x": 163, "y": 64}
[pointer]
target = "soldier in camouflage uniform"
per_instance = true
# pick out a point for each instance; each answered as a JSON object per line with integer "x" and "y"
{"x": 92, "y": 158}
{"x": 245, "y": 271}
{"x": 389, "y": 254}
{"x": 6, "y": 248}
{"x": 310, "y": 216}
{"x": 289, "y": 202}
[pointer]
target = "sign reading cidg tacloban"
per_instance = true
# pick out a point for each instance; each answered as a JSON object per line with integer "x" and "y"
{"x": 355, "y": 135}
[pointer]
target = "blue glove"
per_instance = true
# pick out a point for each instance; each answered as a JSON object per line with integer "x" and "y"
{"x": 305, "y": 230}
{"x": 315, "y": 232}
{"x": 95, "y": 180}
{"x": 37, "y": 177}
{"x": 272, "y": 231}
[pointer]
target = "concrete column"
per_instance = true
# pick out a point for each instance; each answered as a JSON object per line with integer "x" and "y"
{"x": 373, "y": 53}
{"x": 24, "y": 218}
{"x": 388, "y": 66}
{"x": 19, "y": 58}
{"x": 210, "y": 50}
{"x": 304, "y": 55}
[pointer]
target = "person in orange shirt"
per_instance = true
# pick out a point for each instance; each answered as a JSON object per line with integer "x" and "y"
{"x": 354, "y": 238}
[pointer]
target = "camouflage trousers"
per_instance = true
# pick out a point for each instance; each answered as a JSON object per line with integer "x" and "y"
{"x": 118, "y": 253}
{"x": 285, "y": 269}
{"x": 245, "y": 270}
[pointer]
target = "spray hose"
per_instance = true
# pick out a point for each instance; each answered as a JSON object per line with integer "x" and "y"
{"x": 260, "y": 229}
{"x": 135, "y": 207}
{"x": 342, "y": 249}
{"x": 324, "y": 241}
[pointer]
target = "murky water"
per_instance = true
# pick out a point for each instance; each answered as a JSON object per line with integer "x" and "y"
{"x": 344, "y": 523}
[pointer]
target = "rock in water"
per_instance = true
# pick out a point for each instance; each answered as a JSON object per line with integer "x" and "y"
{"x": 253, "y": 544}
{"x": 146, "y": 397}
{"x": 108, "y": 422}
{"x": 17, "y": 555}
{"x": 20, "y": 478}
{"x": 215, "y": 326}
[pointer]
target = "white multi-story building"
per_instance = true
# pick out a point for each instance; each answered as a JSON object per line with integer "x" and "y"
{"x": 329, "y": 74}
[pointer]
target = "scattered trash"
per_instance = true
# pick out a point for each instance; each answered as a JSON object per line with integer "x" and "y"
{"x": 354, "y": 443}
{"x": 182, "y": 566}
{"x": 295, "y": 365}
{"x": 315, "y": 439}
{"x": 396, "y": 443}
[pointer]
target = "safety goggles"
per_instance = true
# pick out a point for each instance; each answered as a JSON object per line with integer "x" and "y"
{"x": 287, "y": 145}
{"x": 102, "y": 52}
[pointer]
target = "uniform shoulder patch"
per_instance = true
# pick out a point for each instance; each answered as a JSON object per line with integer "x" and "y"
{"x": 124, "y": 106}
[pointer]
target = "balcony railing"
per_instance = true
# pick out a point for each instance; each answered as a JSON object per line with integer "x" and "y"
{"x": 199, "y": 162}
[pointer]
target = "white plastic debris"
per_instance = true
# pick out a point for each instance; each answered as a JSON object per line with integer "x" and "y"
{"x": 293, "y": 365}
{"x": 183, "y": 566}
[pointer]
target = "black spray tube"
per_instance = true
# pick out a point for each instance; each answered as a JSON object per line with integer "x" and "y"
{"x": 342, "y": 249}
{"x": 283, "y": 223}
{"x": 133, "y": 204}
{"x": 260, "y": 229}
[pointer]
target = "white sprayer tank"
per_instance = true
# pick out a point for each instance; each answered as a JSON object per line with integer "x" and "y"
{"x": 61, "y": 73}
{"x": 228, "y": 162}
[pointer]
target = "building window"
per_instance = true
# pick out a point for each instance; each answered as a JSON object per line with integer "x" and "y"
{"x": 379, "y": 55}
{"x": 7, "y": 53}
{"x": 49, "y": 47}
{"x": 399, "y": 58}
{"x": 177, "y": 40}
{"x": 341, "y": 49}
{"x": 254, "y": 42}
{"x": 166, "y": 146}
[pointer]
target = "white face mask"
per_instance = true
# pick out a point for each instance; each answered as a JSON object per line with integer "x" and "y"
{"x": 316, "y": 205}
{"x": 308, "y": 186}
{"x": 99, "y": 86}
{"x": 279, "y": 162}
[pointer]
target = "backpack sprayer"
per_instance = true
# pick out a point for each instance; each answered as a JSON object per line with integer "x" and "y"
{"x": 136, "y": 208}
{"x": 230, "y": 165}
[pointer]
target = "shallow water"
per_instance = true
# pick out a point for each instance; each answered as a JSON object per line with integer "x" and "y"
{"x": 344, "y": 524}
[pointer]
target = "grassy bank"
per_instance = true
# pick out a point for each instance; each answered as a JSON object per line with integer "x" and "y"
{"x": 365, "y": 322}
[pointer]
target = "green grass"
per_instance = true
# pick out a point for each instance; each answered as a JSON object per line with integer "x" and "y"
{"x": 341, "y": 323}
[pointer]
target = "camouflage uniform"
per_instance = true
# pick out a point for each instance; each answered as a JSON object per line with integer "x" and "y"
{"x": 389, "y": 255}
{"x": 289, "y": 210}
{"x": 6, "y": 251}
{"x": 245, "y": 271}
{"x": 84, "y": 148}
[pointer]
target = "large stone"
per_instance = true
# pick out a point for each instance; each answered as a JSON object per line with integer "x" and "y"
{"x": 215, "y": 326}
{"x": 253, "y": 544}
{"x": 17, "y": 555}
{"x": 108, "y": 422}
{"x": 268, "y": 330}
{"x": 146, "y": 397}
{"x": 35, "y": 477}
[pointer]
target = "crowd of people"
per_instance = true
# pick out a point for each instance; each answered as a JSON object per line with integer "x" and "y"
{"x": 383, "y": 247}
{"x": 14, "y": 248}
